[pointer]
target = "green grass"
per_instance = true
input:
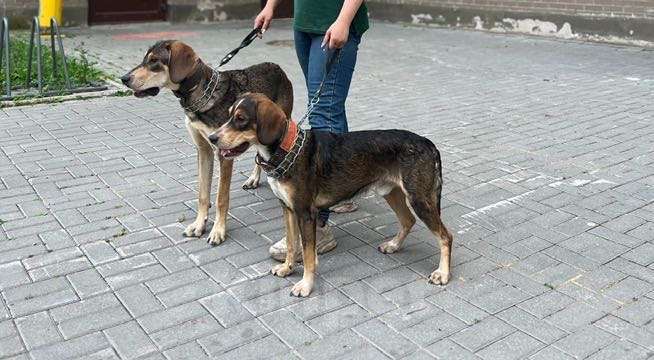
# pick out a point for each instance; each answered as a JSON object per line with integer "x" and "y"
{"x": 81, "y": 70}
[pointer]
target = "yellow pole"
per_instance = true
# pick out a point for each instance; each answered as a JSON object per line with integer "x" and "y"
{"x": 49, "y": 9}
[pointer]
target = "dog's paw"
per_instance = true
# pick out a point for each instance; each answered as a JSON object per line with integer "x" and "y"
{"x": 302, "y": 288}
{"x": 282, "y": 270}
{"x": 439, "y": 277}
{"x": 251, "y": 183}
{"x": 196, "y": 229}
{"x": 388, "y": 247}
{"x": 216, "y": 236}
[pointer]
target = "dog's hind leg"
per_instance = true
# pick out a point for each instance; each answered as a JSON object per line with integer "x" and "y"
{"x": 397, "y": 201}
{"x": 217, "y": 234}
{"x": 253, "y": 181}
{"x": 205, "y": 173}
{"x": 428, "y": 210}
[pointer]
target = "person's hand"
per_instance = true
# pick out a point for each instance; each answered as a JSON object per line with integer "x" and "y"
{"x": 263, "y": 19}
{"x": 337, "y": 34}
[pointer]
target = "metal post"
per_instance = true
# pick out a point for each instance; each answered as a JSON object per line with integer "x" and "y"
{"x": 53, "y": 50}
{"x": 4, "y": 50}
{"x": 36, "y": 34}
{"x": 54, "y": 29}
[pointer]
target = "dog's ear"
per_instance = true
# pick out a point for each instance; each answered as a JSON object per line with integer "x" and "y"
{"x": 182, "y": 61}
{"x": 271, "y": 121}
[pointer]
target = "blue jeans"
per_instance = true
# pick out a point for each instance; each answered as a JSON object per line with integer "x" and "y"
{"x": 329, "y": 113}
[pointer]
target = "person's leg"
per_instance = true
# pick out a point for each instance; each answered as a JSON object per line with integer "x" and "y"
{"x": 329, "y": 113}
{"x": 303, "y": 50}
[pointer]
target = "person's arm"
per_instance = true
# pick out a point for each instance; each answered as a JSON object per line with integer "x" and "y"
{"x": 337, "y": 34}
{"x": 265, "y": 16}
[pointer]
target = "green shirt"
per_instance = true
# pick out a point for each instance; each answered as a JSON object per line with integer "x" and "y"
{"x": 316, "y": 16}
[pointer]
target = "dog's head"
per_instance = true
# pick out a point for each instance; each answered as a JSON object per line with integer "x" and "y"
{"x": 165, "y": 64}
{"x": 254, "y": 119}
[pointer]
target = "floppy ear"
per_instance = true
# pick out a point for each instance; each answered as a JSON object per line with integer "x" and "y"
{"x": 182, "y": 61}
{"x": 271, "y": 122}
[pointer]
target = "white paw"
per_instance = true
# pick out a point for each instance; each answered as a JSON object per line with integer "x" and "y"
{"x": 196, "y": 229}
{"x": 216, "y": 236}
{"x": 281, "y": 270}
{"x": 439, "y": 277}
{"x": 251, "y": 183}
{"x": 388, "y": 247}
{"x": 302, "y": 288}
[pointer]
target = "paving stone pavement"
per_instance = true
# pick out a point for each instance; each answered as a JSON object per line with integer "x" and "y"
{"x": 549, "y": 186}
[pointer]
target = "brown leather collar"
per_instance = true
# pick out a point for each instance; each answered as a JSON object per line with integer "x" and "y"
{"x": 285, "y": 147}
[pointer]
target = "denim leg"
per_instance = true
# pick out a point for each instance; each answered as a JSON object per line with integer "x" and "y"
{"x": 329, "y": 113}
{"x": 303, "y": 50}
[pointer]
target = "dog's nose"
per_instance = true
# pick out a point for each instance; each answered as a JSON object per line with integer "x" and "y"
{"x": 126, "y": 78}
{"x": 213, "y": 138}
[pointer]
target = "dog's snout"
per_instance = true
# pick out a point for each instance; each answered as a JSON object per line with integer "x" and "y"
{"x": 213, "y": 138}
{"x": 126, "y": 78}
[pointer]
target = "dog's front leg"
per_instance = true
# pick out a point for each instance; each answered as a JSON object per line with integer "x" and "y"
{"x": 307, "y": 224}
{"x": 205, "y": 173}
{"x": 285, "y": 269}
{"x": 253, "y": 181}
{"x": 217, "y": 234}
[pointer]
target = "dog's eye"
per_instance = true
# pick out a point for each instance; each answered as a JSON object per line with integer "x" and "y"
{"x": 152, "y": 61}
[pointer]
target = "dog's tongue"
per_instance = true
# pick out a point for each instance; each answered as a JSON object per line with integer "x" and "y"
{"x": 234, "y": 151}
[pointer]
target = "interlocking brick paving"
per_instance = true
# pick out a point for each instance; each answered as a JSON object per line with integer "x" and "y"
{"x": 549, "y": 172}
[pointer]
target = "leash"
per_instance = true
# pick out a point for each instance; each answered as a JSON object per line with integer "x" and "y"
{"x": 199, "y": 103}
{"x": 246, "y": 41}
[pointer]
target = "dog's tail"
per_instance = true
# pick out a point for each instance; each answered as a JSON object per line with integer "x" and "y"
{"x": 438, "y": 179}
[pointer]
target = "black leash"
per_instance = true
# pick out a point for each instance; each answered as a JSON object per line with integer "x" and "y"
{"x": 247, "y": 41}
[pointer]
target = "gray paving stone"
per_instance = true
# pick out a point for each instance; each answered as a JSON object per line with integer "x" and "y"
{"x": 335, "y": 345}
{"x": 13, "y": 273}
{"x": 100, "y": 252}
{"x": 392, "y": 343}
{"x": 71, "y": 348}
{"x": 224, "y": 340}
{"x": 129, "y": 340}
{"x": 531, "y": 325}
{"x": 138, "y": 300}
{"x": 226, "y": 309}
{"x": 37, "y": 330}
{"x": 167, "y": 318}
{"x": 517, "y": 345}
{"x": 585, "y": 342}
{"x": 317, "y": 305}
{"x": 87, "y": 283}
{"x": 288, "y": 328}
{"x": 340, "y": 319}
{"x": 184, "y": 332}
{"x": 482, "y": 334}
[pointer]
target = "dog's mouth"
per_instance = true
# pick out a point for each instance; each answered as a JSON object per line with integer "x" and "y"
{"x": 153, "y": 91}
{"x": 234, "y": 152}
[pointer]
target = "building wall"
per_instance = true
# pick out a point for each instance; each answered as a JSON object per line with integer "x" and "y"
{"x": 631, "y": 19}
{"x": 643, "y": 9}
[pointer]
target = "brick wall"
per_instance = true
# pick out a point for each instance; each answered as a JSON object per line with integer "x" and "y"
{"x": 642, "y": 9}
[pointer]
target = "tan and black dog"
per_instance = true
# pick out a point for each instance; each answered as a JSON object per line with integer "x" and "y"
{"x": 206, "y": 97}
{"x": 403, "y": 167}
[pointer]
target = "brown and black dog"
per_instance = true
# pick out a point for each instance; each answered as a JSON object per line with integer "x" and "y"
{"x": 174, "y": 65}
{"x": 403, "y": 167}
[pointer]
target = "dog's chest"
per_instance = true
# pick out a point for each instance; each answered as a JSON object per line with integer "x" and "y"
{"x": 281, "y": 191}
{"x": 200, "y": 127}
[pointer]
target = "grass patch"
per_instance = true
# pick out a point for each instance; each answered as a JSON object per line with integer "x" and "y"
{"x": 81, "y": 71}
